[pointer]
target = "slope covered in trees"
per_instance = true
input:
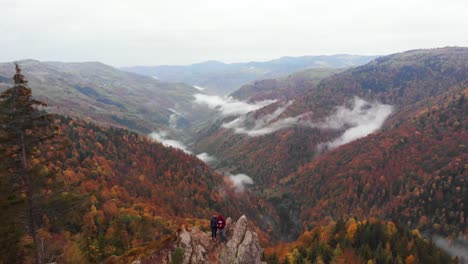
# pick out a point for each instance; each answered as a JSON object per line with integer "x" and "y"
{"x": 423, "y": 85}
{"x": 355, "y": 242}
{"x": 133, "y": 191}
{"x": 413, "y": 171}
{"x": 284, "y": 88}
{"x": 26, "y": 188}
{"x": 108, "y": 191}
{"x": 397, "y": 80}
{"x": 112, "y": 190}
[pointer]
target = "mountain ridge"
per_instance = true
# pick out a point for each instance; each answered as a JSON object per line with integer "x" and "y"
{"x": 223, "y": 78}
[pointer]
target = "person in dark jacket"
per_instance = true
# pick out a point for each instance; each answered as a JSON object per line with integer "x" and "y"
{"x": 221, "y": 226}
{"x": 214, "y": 226}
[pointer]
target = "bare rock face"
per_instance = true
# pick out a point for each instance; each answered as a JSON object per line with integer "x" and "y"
{"x": 242, "y": 246}
{"x": 195, "y": 244}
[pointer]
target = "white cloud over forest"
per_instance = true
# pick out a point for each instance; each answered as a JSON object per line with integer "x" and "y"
{"x": 357, "y": 121}
{"x": 240, "y": 180}
{"x": 229, "y": 106}
{"x": 361, "y": 120}
{"x": 163, "y": 138}
{"x": 206, "y": 157}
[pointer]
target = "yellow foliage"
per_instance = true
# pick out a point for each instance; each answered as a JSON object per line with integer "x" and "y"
{"x": 110, "y": 232}
{"x": 34, "y": 162}
{"x": 391, "y": 227}
{"x": 306, "y": 238}
{"x": 351, "y": 231}
{"x": 72, "y": 254}
{"x": 141, "y": 177}
{"x": 93, "y": 199}
{"x": 388, "y": 248}
{"x": 416, "y": 233}
{"x": 320, "y": 260}
{"x": 290, "y": 258}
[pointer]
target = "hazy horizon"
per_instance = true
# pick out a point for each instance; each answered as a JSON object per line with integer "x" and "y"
{"x": 144, "y": 32}
{"x": 197, "y": 62}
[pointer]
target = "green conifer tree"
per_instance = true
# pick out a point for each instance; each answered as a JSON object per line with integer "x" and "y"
{"x": 24, "y": 127}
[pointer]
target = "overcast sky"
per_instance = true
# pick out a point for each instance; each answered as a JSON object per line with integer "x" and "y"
{"x": 155, "y": 32}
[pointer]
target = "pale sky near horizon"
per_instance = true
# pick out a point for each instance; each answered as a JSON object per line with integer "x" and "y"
{"x": 155, "y": 32}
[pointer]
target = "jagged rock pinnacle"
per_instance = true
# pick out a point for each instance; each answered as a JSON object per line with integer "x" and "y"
{"x": 242, "y": 246}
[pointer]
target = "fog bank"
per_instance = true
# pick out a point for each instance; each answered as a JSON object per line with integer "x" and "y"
{"x": 357, "y": 121}
{"x": 162, "y": 137}
{"x": 240, "y": 180}
{"x": 229, "y": 106}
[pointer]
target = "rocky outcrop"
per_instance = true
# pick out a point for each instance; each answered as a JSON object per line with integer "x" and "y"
{"x": 196, "y": 245}
{"x": 242, "y": 246}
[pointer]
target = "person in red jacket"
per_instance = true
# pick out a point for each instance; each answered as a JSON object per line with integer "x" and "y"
{"x": 221, "y": 227}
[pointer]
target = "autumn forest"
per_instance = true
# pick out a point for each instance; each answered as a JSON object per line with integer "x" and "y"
{"x": 93, "y": 186}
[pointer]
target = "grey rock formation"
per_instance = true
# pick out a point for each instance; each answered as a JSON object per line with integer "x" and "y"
{"x": 195, "y": 244}
{"x": 242, "y": 246}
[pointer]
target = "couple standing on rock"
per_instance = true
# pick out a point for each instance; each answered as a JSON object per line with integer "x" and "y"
{"x": 218, "y": 223}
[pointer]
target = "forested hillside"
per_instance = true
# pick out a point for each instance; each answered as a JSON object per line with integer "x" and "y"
{"x": 274, "y": 141}
{"x": 107, "y": 191}
{"x": 383, "y": 141}
{"x": 286, "y": 87}
{"x": 103, "y": 93}
{"x": 413, "y": 171}
{"x": 355, "y": 242}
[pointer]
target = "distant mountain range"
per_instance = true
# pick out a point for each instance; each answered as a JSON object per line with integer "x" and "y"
{"x": 221, "y": 78}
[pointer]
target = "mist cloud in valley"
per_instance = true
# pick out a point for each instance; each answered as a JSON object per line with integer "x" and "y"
{"x": 357, "y": 121}
{"x": 262, "y": 125}
{"x": 207, "y": 158}
{"x": 199, "y": 88}
{"x": 361, "y": 120}
{"x": 163, "y": 138}
{"x": 229, "y": 106}
{"x": 240, "y": 180}
{"x": 173, "y": 118}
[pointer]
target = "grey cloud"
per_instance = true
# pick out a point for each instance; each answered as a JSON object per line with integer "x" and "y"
{"x": 229, "y": 106}
{"x": 199, "y": 87}
{"x": 163, "y": 137}
{"x": 206, "y": 157}
{"x": 155, "y": 32}
{"x": 240, "y": 180}
{"x": 173, "y": 118}
{"x": 363, "y": 119}
{"x": 261, "y": 126}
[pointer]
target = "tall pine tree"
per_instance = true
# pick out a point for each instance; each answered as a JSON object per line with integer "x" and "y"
{"x": 25, "y": 184}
